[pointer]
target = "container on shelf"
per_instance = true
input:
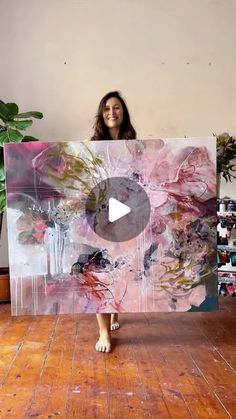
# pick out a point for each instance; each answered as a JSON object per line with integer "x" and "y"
{"x": 4, "y": 285}
{"x": 231, "y": 205}
{"x": 222, "y": 206}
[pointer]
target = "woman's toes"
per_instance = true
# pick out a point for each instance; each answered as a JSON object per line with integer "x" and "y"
{"x": 103, "y": 344}
{"x": 115, "y": 326}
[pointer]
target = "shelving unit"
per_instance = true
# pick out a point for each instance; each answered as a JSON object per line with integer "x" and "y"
{"x": 227, "y": 272}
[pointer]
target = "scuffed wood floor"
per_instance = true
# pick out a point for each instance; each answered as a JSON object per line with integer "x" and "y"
{"x": 163, "y": 365}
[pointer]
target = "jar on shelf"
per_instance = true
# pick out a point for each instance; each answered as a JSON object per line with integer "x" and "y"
{"x": 233, "y": 258}
{"x": 224, "y": 241}
{"x": 231, "y": 205}
{"x": 224, "y": 256}
{"x": 222, "y": 206}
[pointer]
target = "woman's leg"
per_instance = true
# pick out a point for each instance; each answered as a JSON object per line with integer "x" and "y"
{"x": 104, "y": 342}
{"x": 114, "y": 321}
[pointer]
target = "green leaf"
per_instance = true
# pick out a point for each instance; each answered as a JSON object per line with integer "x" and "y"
{"x": 28, "y": 139}
{"x": 13, "y": 136}
{"x": 20, "y": 124}
{"x": 4, "y": 112}
{"x": 3, "y": 202}
{"x": 4, "y": 137}
{"x": 31, "y": 114}
{"x": 10, "y": 136}
{"x": 2, "y": 172}
{"x": 2, "y": 186}
{"x": 13, "y": 109}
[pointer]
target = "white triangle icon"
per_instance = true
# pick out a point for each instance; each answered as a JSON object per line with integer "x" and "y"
{"x": 117, "y": 210}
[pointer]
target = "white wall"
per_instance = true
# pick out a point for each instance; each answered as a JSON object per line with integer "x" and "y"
{"x": 173, "y": 60}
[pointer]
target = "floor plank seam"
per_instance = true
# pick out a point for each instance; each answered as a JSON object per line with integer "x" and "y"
{"x": 158, "y": 378}
{"x": 18, "y": 351}
{"x": 10, "y": 366}
{"x": 212, "y": 343}
{"x": 29, "y": 407}
{"x": 69, "y": 388}
{"x": 225, "y": 360}
{"x": 210, "y": 386}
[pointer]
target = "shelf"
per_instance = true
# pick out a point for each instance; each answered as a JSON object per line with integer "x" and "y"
{"x": 226, "y": 280}
{"x": 226, "y": 213}
{"x": 227, "y": 277}
{"x": 226, "y": 247}
{"x": 227, "y": 270}
{"x": 227, "y": 273}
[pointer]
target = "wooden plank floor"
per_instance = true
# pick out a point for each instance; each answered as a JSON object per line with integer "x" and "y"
{"x": 163, "y": 365}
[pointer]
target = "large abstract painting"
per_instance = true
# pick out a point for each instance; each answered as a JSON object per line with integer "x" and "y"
{"x": 68, "y": 255}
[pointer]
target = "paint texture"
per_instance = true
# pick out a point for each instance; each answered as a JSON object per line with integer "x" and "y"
{"x": 58, "y": 264}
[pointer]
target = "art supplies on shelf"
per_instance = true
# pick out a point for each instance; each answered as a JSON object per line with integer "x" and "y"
{"x": 226, "y": 247}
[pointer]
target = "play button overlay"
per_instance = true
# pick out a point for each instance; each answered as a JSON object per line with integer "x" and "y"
{"x": 118, "y": 209}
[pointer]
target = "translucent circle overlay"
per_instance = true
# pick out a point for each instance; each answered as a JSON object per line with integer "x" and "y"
{"x": 129, "y": 193}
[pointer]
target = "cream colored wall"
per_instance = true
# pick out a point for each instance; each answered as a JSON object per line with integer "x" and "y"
{"x": 173, "y": 60}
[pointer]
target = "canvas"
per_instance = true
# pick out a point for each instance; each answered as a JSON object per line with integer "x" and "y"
{"x": 64, "y": 258}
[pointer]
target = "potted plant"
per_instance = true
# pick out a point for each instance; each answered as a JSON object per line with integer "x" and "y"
{"x": 226, "y": 152}
{"x": 12, "y": 127}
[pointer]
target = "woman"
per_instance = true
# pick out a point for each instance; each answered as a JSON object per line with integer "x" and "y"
{"x": 112, "y": 123}
{"x": 113, "y": 120}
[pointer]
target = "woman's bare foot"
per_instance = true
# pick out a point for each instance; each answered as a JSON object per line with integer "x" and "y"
{"x": 114, "y": 322}
{"x": 104, "y": 343}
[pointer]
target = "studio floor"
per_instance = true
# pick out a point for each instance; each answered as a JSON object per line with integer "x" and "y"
{"x": 163, "y": 365}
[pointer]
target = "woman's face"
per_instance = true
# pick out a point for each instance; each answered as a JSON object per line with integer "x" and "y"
{"x": 113, "y": 113}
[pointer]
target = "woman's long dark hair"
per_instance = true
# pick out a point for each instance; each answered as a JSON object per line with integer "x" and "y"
{"x": 101, "y": 131}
